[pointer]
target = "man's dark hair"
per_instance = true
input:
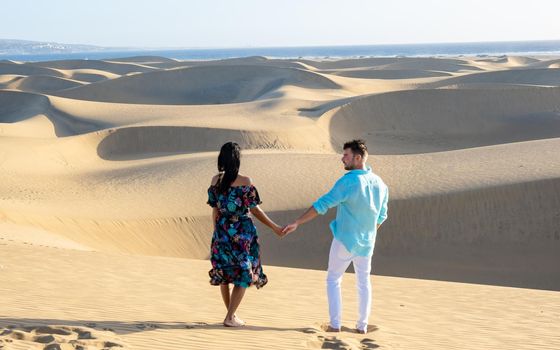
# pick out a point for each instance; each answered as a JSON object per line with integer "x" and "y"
{"x": 357, "y": 147}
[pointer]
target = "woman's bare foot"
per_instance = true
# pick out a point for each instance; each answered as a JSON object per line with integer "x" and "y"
{"x": 238, "y": 319}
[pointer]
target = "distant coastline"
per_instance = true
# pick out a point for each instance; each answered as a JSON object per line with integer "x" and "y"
{"x": 549, "y": 47}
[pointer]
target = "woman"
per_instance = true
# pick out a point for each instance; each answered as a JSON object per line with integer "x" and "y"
{"x": 235, "y": 253}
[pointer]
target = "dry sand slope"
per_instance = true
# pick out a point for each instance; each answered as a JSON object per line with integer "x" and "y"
{"x": 115, "y": 157}
{"x": 94, "y": 300}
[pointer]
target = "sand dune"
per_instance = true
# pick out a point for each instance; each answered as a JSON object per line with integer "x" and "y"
{"x": 536, "y": 76}
{"x": 546, "y": 63}
{"x": 27, "y": 69}
{"x": 414, "y": 63}
{"x": 42, "y": 84}
{"x": 386, "y": 74}
{"x": 88, "y": 75}
{"x": 111, "y": 67}
{"x": 31, "y": 235}
{"x": 144, "y": 141}
{"x": 17, "y": 107}
{"x": 510, "y": 61}
{"x": 435, "y": 120}
{"x": 252, "y": 60}
{"x": 168, "y": 306}
{"x": 287, "y": 111}
{"x": 6, "y": 79}
{"x": 141, "y": 212}
{"x": 199, "y": 85}
{"x": 105, "y": 165}
{"x": 520, "y": 60}
{"x": 25, "y": 115}
{"x": 142, "y": 59}
{"x": 447, "y": 65}
{"x": 352, "y": 62}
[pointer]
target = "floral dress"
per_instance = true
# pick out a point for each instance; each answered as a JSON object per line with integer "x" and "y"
{"x": 235, "y": 252}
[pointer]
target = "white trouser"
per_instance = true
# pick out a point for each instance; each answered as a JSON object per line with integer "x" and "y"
{"x": 339, "y": 260}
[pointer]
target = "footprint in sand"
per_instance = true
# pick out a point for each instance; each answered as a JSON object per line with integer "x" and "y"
{"x": 310, "y": 331}
{"x": 328, "y": 342}
{"x": 50, "y": 330}
{"x": 339, "y": 340}
{"x": 147, "y": 326}
{"x": 59, "y": 337}
{"x": 368, "y": 344}
{"x": 333, "y": 342}
{"x": 195, "y": 324}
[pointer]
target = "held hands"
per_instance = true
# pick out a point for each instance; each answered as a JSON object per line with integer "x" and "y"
{"x": 282, "y": 231}
{"x": 278, "y": 230}
{"x": 289, "y": 229}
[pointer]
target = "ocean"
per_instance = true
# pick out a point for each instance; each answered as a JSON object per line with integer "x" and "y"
{"x": 549, "y": 47}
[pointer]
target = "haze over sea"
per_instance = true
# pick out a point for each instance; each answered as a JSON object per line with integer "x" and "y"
{"x": 551, "y": 47}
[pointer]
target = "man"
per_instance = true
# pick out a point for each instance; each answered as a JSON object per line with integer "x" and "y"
{"x": 361, "y": 200}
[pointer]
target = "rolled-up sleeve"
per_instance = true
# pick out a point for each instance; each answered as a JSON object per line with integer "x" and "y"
{"x": 334, "y": 197}
{"x": 383, "y": 211}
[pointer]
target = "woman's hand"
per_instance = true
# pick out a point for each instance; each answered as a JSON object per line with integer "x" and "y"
{"x": 278, "y": 230}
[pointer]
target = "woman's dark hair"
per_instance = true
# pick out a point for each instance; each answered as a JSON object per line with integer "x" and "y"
{"x": 228, "y": 163}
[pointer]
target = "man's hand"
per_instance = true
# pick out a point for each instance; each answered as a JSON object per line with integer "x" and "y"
{"x": 289, "y": 229}
{"x": 309, "y": 214}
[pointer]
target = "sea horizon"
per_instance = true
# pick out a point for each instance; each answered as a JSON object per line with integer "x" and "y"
{"x": 543, "y": 47}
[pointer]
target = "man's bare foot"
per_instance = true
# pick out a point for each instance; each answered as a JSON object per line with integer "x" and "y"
{"x": 234, "y": 322}
{"x": 361, "y": 331}
{"x": 332, "y": 329}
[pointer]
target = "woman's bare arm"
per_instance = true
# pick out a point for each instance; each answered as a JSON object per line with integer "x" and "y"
{"x": 262, "y": 217}
{"x": 214, "y": 215}
{"x": 214, "y": 209}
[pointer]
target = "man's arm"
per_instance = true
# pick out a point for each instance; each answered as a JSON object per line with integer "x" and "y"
{"x": 309, "y": 215}
{"x": 337, "y": 194}
{"x": 383, "y": 212}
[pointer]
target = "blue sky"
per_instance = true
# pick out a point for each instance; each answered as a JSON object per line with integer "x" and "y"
{"x": 261, "y": 23}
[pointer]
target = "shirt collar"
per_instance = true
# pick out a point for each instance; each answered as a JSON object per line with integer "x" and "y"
{"x": 360, "y": 171}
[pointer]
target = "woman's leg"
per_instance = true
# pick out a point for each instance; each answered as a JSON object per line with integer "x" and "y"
{"x": 224, "y": 288}
{"x": 226, "y": 292}
{"x": 235, "y": 299}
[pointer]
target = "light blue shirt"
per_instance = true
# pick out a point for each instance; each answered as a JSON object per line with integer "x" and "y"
{"x": 361, "y": 200}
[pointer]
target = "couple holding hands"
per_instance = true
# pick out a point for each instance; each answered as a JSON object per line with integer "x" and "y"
{"x": 361, "y": 200}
